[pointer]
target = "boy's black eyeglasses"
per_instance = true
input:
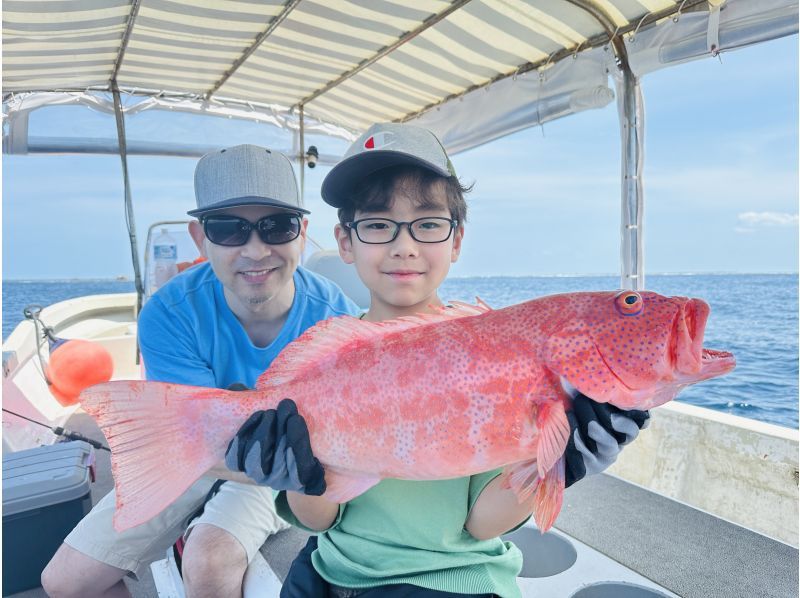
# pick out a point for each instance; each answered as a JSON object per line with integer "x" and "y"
{"x": 383, "y": 230}
{"x": 232, "y": 231}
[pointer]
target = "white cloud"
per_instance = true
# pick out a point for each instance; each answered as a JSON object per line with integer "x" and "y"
{"x": 768, "y": 219}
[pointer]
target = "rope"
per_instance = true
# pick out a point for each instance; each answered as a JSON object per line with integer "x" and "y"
{"x": 59, "y": 431}
{"x": 31, "y": 312}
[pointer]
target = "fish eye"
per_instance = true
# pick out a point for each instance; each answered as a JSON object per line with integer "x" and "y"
{"x": 629, "y": 303}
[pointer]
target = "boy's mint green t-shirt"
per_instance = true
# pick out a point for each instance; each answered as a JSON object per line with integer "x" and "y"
{"x": 401, "y": 531}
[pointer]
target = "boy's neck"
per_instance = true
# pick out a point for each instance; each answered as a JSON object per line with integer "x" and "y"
{"x": 379, "y": 312}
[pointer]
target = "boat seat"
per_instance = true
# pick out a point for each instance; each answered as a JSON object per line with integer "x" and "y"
{"x": 329, "y": 264}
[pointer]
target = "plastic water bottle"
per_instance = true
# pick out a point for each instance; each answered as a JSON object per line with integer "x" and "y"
{"x": 166, "y": 258}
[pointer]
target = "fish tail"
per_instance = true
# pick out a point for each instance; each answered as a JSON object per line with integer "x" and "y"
{"x": 549, "y": 496}
{"x": 156, "y": 432}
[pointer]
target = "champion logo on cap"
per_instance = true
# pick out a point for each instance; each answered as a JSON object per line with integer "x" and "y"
{"x": 379, "y": 140}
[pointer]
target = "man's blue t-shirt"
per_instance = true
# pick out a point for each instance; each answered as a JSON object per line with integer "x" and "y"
{"x": 189, "y": 335}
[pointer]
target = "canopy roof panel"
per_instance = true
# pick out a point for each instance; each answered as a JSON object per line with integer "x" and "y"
{"x": 348, "y": 63}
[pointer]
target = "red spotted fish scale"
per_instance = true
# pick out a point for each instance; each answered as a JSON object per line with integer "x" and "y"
{"x": 422, "y": 398}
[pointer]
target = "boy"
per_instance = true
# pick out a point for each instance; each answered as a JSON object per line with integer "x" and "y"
{"x": 402, "y": 214}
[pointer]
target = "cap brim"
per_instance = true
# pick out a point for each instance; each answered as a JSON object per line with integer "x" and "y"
{"x": 337, "y": 187}
{"x": 246, "y": 201}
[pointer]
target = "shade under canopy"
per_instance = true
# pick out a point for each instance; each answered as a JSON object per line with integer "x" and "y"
{"x": 471, "y": 70}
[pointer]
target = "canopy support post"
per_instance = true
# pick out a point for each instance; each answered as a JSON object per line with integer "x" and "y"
{"x": 302, "y": 158}
{"x": 631, "y": 115}
{"x": 129, "y": 217}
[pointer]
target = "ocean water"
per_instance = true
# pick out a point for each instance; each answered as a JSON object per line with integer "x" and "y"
{"x": 755, "y": 316}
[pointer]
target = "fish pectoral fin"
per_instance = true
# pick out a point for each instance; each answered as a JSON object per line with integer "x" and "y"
{"x": 553, "y": 425}
{"x": 343, "y": 487}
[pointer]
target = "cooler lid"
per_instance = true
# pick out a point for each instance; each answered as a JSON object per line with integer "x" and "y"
{"x": 45, "y": 476}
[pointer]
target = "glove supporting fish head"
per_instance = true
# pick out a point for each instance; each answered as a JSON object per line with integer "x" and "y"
{"x": 636, "y": 350}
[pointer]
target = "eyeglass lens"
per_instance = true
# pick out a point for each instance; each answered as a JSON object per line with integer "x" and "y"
{"x": 231, "y": 231}
{"x": 383, "y": 230}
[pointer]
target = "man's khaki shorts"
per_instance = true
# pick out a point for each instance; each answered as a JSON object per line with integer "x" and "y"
{"x": 245, "y": 511}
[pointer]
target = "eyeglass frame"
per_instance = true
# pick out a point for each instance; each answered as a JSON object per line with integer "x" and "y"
{"x": 353, "y": 226}
{"x": 252, "y": 227}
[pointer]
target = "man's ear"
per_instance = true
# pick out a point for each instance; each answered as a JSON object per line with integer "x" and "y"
{"x": 303, "y": 234}
{"x": 198, "y": 236}
{"x": 458, "y": 236}
{"x": 344, "y": 242}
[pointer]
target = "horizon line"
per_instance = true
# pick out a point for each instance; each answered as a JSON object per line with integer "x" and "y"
{"x": 122, "y": 278}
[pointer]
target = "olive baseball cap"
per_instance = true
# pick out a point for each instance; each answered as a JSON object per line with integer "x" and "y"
{"x": 245, "y": 175}
{"x": 382, "y": 146}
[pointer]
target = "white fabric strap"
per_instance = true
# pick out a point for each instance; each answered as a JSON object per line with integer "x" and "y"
{"x": 712, "y": 33}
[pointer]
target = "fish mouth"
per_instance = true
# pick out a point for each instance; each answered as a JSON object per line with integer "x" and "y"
{"x": 716, "y": 363}
{"x": 693, "y": 362}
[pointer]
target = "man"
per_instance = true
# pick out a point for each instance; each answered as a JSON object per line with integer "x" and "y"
{"x": 217, "y": 325}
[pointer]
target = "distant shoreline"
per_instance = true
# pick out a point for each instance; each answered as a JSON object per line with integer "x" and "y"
{"x": 571, "y": 275}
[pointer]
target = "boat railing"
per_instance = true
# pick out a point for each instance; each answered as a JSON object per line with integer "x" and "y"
{"x": 739, "y": 469}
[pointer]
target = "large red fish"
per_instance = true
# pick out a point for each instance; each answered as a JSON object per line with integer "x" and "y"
{"x": 428, "y": 397}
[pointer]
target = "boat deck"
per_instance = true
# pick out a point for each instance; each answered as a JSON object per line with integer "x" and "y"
{"x": 684, "y": 549}
{"x": 680, "y": 548}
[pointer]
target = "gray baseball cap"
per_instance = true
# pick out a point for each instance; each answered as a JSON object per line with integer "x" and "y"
{"x": 245, "y": 175}
{"x": 382, "y": 146}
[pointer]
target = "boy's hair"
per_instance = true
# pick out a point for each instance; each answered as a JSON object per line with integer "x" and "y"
{"x": 376, "y": 191}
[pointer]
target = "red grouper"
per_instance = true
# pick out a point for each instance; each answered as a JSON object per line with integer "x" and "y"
{"x": 421, "y": 398}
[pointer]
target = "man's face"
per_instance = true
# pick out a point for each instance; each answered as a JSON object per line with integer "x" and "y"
{"x": 257, "y": 277}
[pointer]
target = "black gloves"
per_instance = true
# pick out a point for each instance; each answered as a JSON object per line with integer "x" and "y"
{"x": 598, "y": 432}
{"x": 273, "y": 448}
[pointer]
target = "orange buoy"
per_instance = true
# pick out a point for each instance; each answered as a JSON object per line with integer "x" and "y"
{"x": 75, "y": 365}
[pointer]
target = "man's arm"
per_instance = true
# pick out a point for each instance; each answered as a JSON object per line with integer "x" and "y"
{"x": 169, "y": 348}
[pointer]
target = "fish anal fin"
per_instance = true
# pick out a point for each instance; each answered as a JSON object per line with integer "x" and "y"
{"x": 523, "y": 479}
{"x": 553, "y": 425}
{"x": 549, "y": 497}
{"x": 343, "y": 487}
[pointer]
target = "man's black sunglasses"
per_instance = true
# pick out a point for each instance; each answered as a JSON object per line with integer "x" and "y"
{"x": 232, "y": 231}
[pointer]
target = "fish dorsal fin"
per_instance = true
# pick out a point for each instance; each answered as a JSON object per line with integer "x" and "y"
{"x": 461, "y": 309}
{"x": 328, "y": 338}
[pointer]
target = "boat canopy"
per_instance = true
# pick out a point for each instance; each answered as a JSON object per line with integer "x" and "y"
{"x": 470, "y": 70}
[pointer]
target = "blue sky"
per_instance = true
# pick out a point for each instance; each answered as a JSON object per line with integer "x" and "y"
{"x": 721, "y": 186}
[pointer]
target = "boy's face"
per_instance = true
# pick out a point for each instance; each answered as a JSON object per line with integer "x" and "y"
{"x": 257, "y": 278}
{"x": 403, "y": 276}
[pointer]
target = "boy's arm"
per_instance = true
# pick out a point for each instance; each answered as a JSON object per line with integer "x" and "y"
{"x": 317, "y": 513}
{"x": 497, "y": 511}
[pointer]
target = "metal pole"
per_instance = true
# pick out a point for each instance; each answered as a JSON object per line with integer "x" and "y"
{"x": 631, "y": 111}
{"x": 129, "y": 218}
{"x": 631, "y": 117}
{"x": 302, "y": 158}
